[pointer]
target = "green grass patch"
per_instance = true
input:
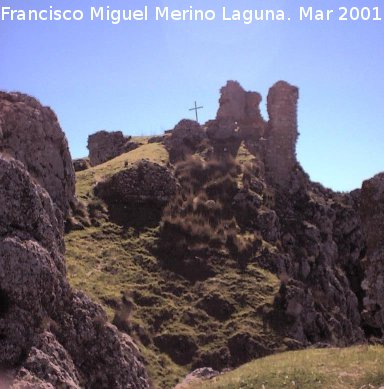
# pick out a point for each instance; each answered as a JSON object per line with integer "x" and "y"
{"x": 86, "y": 179}
{"x": 354, "y": 367}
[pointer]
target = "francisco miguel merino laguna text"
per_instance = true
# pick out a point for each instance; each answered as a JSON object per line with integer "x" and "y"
{"x": 116, "y": 16}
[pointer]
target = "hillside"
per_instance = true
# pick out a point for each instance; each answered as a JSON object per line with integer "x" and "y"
{"x": 115, "y": 263}
{"x": 210, "y": 245}
{"x": 354, "y": 367}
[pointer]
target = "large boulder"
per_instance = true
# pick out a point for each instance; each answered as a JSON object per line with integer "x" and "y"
{"x": 31, "y": 134}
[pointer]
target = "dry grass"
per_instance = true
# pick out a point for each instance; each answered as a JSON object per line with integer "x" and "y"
{"x": 354, "y": 367}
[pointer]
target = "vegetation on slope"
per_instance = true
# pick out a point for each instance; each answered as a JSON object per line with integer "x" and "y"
{"x": 191, "y": 288}
{"x": 354, "y": 367}
{"x": 86, "y": 179}
{"x": 179, "y": 324}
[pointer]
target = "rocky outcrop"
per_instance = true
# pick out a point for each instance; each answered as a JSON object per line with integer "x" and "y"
{"x": 32, "y": 277}
{"x": 321, "y": 290}
{"x": 184, "y": 140}
{"x": 310, "y": 237}
{"x": 104, "y": 145}
{"x": 31, "y": 134}
{"x": 51, "y": 335}
{"x": 372, "y": 216}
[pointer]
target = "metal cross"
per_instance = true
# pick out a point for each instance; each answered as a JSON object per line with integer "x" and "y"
{"x": 195, "y": 109}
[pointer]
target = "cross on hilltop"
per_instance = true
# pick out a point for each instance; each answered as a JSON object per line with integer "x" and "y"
{"x": 195, "y": 109}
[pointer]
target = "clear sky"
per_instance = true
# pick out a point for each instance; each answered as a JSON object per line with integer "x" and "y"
{"x": 141, "y": 77}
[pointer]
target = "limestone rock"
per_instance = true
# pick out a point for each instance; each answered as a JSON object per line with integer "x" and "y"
{"x": 372, "y": 216}
{"x": 104, "y": 145}
{"x": 48, "y": 360}
{"x": 321, "y": 291}
{"x": 32, "y": 135}
{"x": 105, "y": 357}
{"x": 51, "y": 336}
{"x": 33, "y": 285}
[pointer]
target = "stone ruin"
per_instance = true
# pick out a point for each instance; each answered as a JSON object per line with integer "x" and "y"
{"x": 238, "y": 120}
{"x": 281, "y": 134}
{"x": 104, "y": 145}
{"x": 184, "y": 140}
{"x": 274, "y": 141}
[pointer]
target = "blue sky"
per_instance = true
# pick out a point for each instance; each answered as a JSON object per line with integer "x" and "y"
{"x": 141, "y": 77}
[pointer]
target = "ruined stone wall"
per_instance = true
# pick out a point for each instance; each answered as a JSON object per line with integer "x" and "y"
{"x": 239, "y": 119}
{"x": 240, "y": 108}
{"x": 104, "y": 145}
{"x": 280, "y": 152}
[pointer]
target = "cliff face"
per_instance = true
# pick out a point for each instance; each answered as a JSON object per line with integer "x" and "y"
{"x": 372, "y": 216}
{"x": 316, "y": 243}
{"x": 318, "y": 238}
{"x": 31, "y": 134}
{"x": 104, "y": 145}
{"x": 51, "y": 335}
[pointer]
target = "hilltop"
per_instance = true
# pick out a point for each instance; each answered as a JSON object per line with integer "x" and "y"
{"x": 211, "y": 246}
{"x": 206, "y": 247}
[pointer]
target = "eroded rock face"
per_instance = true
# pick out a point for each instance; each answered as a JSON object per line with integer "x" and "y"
{"x": 32, "y": 135}
{"x": 372, "y": 216}
{"x": 32, "y": 270}
{"x": 52, "y": 336}
{"x": 322, "y": 236}
{"x": 104, "y": 145}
